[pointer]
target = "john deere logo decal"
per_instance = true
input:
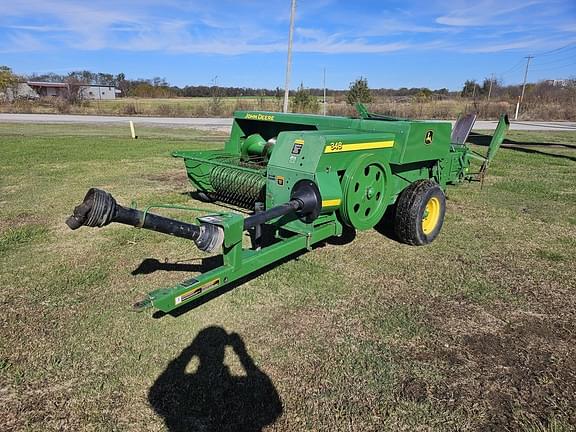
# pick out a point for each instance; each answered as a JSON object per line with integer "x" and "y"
{"x": 429, "y": 137}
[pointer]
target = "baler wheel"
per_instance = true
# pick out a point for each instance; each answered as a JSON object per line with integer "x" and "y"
{"x": 420, "y": 213}
{"x": 366, "y": 192}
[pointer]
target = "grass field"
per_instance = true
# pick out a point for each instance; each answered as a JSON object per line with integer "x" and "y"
{"x": 164, "y": 107}
{"x": 476, "y": 331}
{"x": 225, "y": 107}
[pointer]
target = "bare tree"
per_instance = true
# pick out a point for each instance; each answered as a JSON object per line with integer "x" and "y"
{"x": 74, "y": 92}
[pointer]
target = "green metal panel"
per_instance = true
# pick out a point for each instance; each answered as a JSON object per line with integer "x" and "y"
{"x": 426, "y": 141}
{"x": 498, "y": 137}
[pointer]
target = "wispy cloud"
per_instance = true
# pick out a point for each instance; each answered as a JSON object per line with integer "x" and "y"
{"x": 229, "y": 27}
{"x": 18, "y": 41}
{"x": 37, "y": 28}
{"x": 505, "y": 46}
{"x": 485, "y": 13}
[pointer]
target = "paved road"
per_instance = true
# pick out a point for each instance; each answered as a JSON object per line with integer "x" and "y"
{"x": 223, "y": 124}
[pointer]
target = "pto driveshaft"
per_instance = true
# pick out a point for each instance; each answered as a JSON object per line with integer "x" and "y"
{"x": 99, "y": 209}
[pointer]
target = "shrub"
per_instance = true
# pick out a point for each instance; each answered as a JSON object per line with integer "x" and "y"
{"x": 359, "y": 92}
{"x": 304, "y": 102}
{"x": 164, "y": 110}
{"x": 129, "y": 109}
{"x": 61, "y": 105}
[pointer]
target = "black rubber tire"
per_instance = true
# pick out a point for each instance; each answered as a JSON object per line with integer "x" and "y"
{"x": 410, "y": 209}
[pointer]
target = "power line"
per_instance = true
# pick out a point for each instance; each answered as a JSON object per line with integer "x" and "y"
{"x": 556, "y": 50}
{"x": 565, "y": 49}
{"x": 512, "y": 68}
{"x": 557, "y": 60}
{"x": 555, "y": 67}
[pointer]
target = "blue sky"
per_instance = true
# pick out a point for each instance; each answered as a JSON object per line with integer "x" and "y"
{"x": 243, "y": 43}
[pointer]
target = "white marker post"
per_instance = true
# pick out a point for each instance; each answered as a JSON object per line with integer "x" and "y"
{"x": 134, "y": 136}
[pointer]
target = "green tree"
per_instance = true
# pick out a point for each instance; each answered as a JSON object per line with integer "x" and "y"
{"x": 359, "y": 92}
{"x": 7, "y": 78}
{"x": 303, "y": 101}
{"x": 216, "y": 104}
{"x": 490, "y": 85}
{"x": 8, "y": 84}
{"x": 470, "y": 89}
{"x": 424, "y": 94}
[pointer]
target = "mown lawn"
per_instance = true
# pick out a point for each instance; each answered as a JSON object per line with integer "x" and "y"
{"x": 476, "y": 331}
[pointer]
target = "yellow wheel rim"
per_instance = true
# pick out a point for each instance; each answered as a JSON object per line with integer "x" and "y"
{"x": 431, "y": 215}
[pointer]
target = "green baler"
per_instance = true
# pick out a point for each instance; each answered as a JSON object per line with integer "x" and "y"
{"x": 305, "y": 178}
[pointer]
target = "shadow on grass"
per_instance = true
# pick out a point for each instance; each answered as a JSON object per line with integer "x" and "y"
{"x": 348, "y": 236}
{"x": 226, "y": 288}
{"x": 151, "y": 265}
{"x": 386, "y": 224}
{"x": 211, "y": 398}
{"x": 484, "y": 140}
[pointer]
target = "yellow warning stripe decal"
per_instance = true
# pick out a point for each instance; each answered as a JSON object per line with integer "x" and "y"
{"x": 299, "y": 141}
{"x": 339, "y": 147}
{"x": 331, "y": 203}
{"x": 196, "y": 290}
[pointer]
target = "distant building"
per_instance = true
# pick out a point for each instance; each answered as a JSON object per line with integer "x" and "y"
{"x": 98, "y": 92}
{"x": 561, "y": 82}
{"x": 49, "y": 89}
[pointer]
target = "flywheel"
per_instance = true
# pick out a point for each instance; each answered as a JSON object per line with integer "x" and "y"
{"x": 366, "y": 191}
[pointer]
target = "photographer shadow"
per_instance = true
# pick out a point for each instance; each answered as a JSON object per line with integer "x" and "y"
{"x": 211, "y": 398}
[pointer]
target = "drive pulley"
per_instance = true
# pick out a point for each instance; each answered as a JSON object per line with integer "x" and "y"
{"x": 366, "y": 191}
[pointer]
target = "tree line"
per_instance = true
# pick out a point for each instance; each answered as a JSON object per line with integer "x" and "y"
{"x": 358, "y": 90}
{"x": 159, "y": 87}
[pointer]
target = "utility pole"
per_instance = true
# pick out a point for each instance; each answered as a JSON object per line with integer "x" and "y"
{"x": 99, "y": 97}
{"x": 528, "y": 58}
{"x": 324, "y": 85}
{"x": 289, "y": 61}
{"x": 490, "y": 89}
